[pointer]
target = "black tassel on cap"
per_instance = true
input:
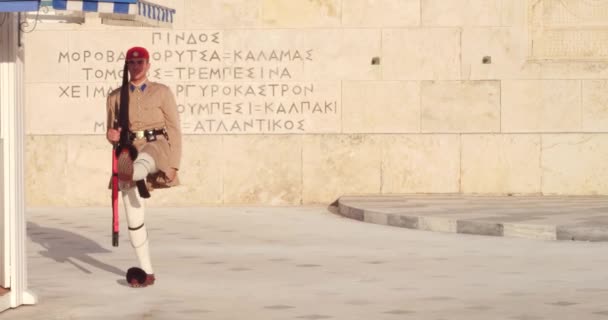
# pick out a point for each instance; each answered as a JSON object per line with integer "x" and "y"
{"x": 123, "y": 117}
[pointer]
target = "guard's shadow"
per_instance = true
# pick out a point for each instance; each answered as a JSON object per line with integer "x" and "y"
{"x": 69, "y": 247}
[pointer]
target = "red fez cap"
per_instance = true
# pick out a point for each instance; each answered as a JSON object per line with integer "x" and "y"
{"x": 137, "y": 53}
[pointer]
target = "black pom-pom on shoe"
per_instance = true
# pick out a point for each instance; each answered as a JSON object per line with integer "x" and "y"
{"x": 136, "y": 277}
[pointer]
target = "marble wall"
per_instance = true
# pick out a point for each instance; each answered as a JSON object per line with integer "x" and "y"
{"x": 288, "y": 102}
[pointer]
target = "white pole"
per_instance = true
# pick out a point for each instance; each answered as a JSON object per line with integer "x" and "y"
{"x": 13, "y": 129}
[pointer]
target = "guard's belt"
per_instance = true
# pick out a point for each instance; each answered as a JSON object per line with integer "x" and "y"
{"x": 149, "y": 134}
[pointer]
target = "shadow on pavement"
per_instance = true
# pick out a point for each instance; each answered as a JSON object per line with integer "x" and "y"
{"x": 69, "y": 247}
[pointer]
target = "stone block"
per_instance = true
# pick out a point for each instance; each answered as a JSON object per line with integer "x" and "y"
{"x": 46, "y": 67}
{"x": 381, "y": 107}
{"x": 571, "y": 44}
{"x": 352, "y": 213}
{"x": 334, "y": 165}
{"x": 501, "y": 164}
{"x": 570, "y": 13}
{"x": 376, "y": 217}
{"x": 496, "y": 53}
{"x": 380, "y": 13}
{"x": 582, "y": 232}
{"x": 575, "y": 164}
{"x": 230, "y": 13}
{"x": 91, "y": 157}
{"x": 46, "y": 175}
{"x": 595, "y": 105}
{"x": 541, "y": 106}
{"x": 64, "y": 109}
{"x": 460, "y": 106}
{"x": 420, "y": 163}
{"x": 310, "y": 54}
{"x": 467, "y": 12}
{"x": 568, "y": 38}
{"x": 571, "y": 69}
{"x": 53, "y": 172}
{"x": 421, "y": 54}
{"x": 403, "y": 221}
{"x": 289, "y": 13}
{"x": 262, "y": 169}
{"x": 529, "y": 231}
{"x": 479, "y": 228}
{"x": 200, "y": 174}
{"x": 438, "y": 224}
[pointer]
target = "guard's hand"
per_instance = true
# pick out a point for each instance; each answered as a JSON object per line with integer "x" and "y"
{"x": 171, "y": 174}
{"x": 113, "y": 135}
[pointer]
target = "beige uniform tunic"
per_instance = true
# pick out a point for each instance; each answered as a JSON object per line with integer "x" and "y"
{"x": 152, "y": 106}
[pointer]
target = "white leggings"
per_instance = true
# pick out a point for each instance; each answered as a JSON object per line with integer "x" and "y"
{"x": 134, "y": 207}
{"x": 143, "y": 165}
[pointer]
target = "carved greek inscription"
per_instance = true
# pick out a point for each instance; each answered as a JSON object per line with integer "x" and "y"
{"x": 221, "y": 73}
{"x": 569, "y": 29}
{"x": 219, "y": 90}
{"x": 179, "y": 38}
{"x": 84, "y": 91}
{"x": 243, "y": 90}
{"x": 255, "y": 125}
{"x": 191, "y": 55}
{"x": 265, "y": 108}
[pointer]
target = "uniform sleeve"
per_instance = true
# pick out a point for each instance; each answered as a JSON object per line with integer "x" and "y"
{"x": 173, "y": 126}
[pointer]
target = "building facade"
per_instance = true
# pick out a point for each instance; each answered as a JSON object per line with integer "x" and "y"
{"x": 287, "y": 102}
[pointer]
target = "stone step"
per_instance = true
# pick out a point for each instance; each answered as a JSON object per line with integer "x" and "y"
{"x": 581, "y": 218}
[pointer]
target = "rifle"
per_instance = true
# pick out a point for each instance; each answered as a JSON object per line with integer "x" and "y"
{"x": 115, "y": 217}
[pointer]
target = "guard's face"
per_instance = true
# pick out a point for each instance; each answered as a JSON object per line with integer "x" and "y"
{"x": 138, "y": 68}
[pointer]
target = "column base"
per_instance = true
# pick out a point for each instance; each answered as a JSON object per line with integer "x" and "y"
{"x": 29, "y": 297}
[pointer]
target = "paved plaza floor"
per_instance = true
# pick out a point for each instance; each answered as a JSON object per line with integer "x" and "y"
{"x": 303, "y": 263}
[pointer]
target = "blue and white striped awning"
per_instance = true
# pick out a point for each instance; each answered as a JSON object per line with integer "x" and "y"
{"x": 19, "y": 5}
{"x": 117, "y": 11}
